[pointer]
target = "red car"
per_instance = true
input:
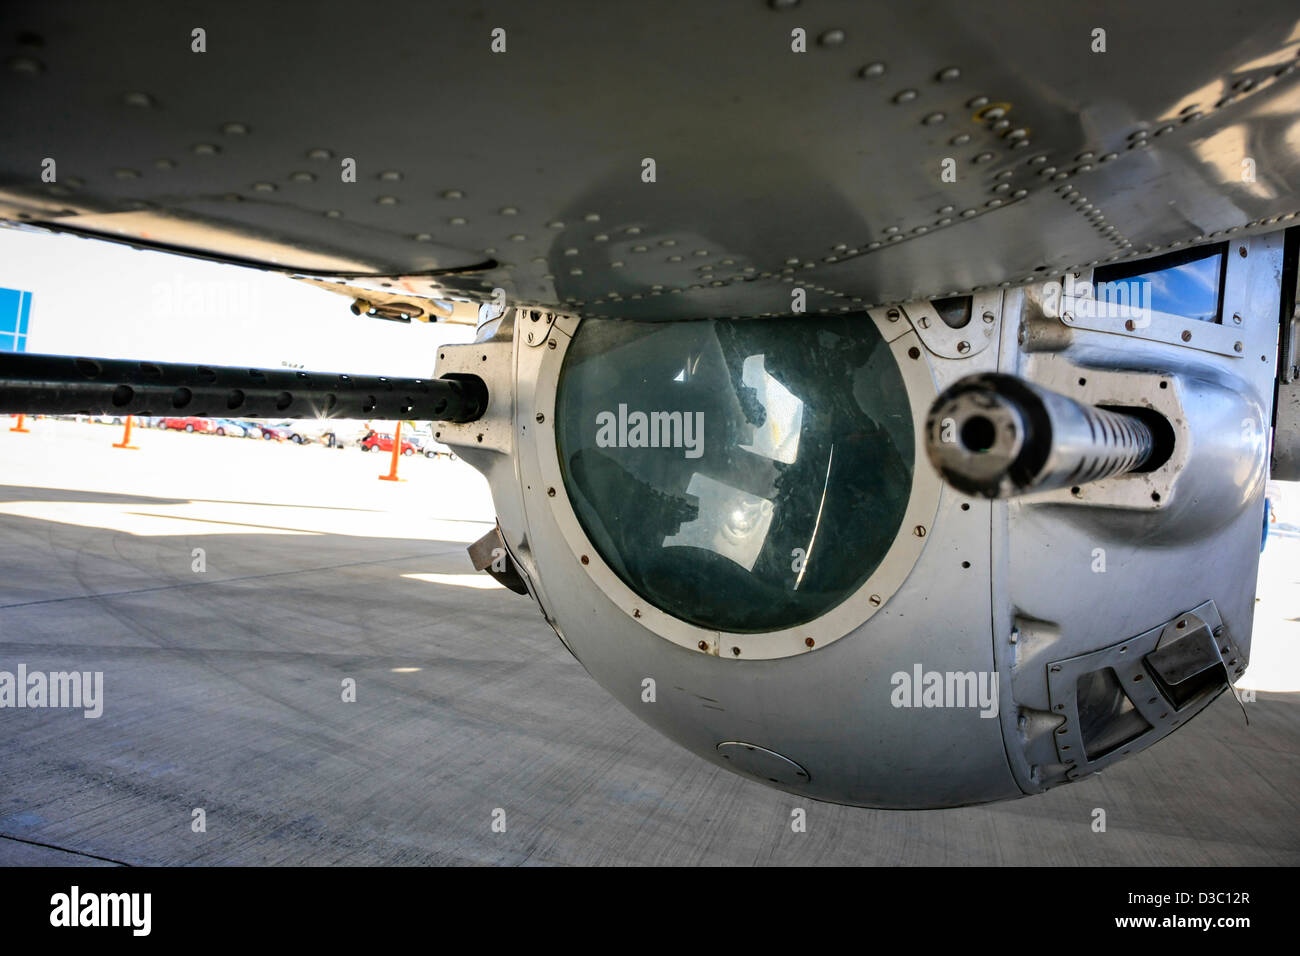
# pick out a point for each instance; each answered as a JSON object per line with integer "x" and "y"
{"x": 384, "y": 442}
{"x": 187, "y": 424}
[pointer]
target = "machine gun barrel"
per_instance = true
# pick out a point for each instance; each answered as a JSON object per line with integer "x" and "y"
{"x": 1000, "y": 436}
{"x": 56, "y": 384}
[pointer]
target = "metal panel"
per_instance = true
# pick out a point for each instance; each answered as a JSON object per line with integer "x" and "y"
{"x": 775, "y": 170}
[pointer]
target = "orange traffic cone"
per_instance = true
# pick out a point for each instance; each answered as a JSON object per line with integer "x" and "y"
{"x": 126, "y": 438}
{"x": 397, "y": 450}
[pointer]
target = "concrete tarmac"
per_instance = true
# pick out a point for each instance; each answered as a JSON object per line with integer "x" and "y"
{"x": 224, "y": 670}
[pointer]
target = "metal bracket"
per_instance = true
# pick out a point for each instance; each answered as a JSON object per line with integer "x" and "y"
{"x": 535, "y": 326}
{"x": 1138, "y": 674}
{"x": 492, "y": 360}
{"x": 946, "y": 342}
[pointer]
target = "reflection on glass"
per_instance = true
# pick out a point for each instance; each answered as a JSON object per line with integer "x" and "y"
{"x": 728, "y": 522}
{"x": 1188, "y": 287}
{"x": 784, "y": 494}
{"x": 778, "y": 437}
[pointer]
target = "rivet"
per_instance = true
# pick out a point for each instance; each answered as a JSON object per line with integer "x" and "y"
{"x": 138, "y": 99}
{"x": 934, "y": 119}
{"x": 234, "y": 129}
{"x": 961, "y": 139}
{"x": 904, "y": 96}
{"x": 983, "y": 157}
{"x": 205, "y": 149}
{"x": 871, "y": 70}
{"x": 831, "y": 38}
{"x": 452, "y": 194}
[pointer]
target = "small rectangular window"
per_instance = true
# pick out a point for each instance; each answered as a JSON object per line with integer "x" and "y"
{"x": 1187, "y": 284}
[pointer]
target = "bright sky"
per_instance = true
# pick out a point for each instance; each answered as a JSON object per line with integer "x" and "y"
{"x": 107, "y": 300}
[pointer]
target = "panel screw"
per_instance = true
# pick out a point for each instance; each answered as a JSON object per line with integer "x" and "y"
{"x": 1187, "y": 335}
{"x": 892, "y": 315}
{"x": 1242, "y": 250}
{"x": 809, "y": 641}
{"x": 540, "y": 417}
{"x": 963, "y": 347}
{"x": 1130, "y": 325}
{"x": 875, "y": 600}
{"x": 1236, "y": 346}
{"x": 1236, "y": 318}
{"x": 585, "y": 559}
{"x": 550, "y": 343}
{"x": 923, "y": 322}
{"x": 550, "y": 492}
{"x": 988, "y": 317}
{"x": 703, "y": 645}
{"x": 919, "y": 531}
{"x": 1068, "y": 317}
{"x": 736, "y": 651}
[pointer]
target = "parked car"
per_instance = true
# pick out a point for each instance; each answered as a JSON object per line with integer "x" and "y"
{"x": 281, "y": 431}
{"x": 228, "y": 426}
{"x": 384, "y": 442}
{"x": 188, "y": 424}
{"x": 331, "y": 432}
{"x": 430, "y": 448}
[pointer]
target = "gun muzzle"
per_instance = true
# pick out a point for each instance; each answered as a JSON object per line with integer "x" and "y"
{"x": 999, "y": 436}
